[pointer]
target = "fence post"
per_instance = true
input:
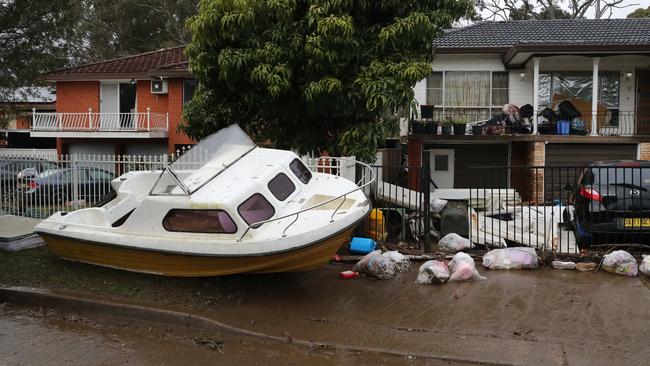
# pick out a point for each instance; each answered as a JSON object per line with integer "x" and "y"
{"x": 148, "y": 118}
{"x": 426, "y": 198}
{"x": 167, "y": 121}
{"x": 33, "y": 117}
{"x": 90, "y": 118}
{"x": 75, "y": 181}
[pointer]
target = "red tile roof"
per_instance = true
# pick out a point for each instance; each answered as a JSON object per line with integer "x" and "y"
{"x": 155, "y": 63}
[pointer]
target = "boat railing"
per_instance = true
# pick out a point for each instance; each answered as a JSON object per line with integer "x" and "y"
{"x": 363, "y": 182}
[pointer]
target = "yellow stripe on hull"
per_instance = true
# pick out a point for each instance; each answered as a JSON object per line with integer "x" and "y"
{"x": 170, "y": 264}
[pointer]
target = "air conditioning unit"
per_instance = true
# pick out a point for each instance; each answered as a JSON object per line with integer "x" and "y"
{"x": 158, "y": 86}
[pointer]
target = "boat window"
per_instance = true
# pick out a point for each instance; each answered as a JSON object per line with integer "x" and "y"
{"x": 199, "y": 221}
{"x": 281, "y": 186}
{"x": 300, "y": 170}
{"x": 255, "y": 209}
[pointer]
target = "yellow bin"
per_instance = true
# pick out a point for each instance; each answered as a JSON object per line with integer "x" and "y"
{"x": 375, "y": 227}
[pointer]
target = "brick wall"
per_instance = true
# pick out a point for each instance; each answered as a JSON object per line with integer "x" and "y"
{"x": 537, "y": 157}
{"x": 414, "y": 160}
{"x": 77, "y": 96}
{"x": 175, "y": 115}
{"x": 159, "y": 103}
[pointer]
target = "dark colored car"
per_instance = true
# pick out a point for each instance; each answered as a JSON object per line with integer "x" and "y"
{"x": 11, "y": 168}
{"x": 57, "y": 185}
{"x": 612, "y": 202}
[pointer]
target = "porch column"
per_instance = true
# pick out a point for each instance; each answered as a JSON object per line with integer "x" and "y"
{"x": 535, "y": 93}
{"x": 594, "y": 98}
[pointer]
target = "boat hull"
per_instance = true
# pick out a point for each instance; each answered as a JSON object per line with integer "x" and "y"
{"x": 183, "y": 265}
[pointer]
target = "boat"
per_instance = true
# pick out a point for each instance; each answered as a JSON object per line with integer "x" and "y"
{"x": 226, "y": 206}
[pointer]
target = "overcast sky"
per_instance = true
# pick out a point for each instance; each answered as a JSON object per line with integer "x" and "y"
{"x": 617, "y": 13}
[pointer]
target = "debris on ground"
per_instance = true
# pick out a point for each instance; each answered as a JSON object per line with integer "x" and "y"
{"x": 645, "y": 265}
{"x": 563, "y": 265}
{"x": 402, "y": 264}
{"x": 463, "y": 268}
{"x": 620, "y": 262}
{"x": 586, "y": 266}
{"x": 437, "y": 204}
{"x": 374, "y": 264}
{"x": 454, "y": 243}
{"x": 348, "y": 274}
{"x": 511, "y": 258}
{"x": 431, "y": 271}
{"x": 210, "y": 343}
{"x": 362, "y": 245}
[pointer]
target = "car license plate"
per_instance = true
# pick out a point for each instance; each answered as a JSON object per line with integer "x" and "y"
{"x": 636, "y": 222}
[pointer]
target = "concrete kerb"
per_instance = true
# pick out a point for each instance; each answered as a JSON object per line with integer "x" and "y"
{"x": 43, "y": 298}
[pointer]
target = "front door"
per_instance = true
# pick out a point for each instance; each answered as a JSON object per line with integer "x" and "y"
{"x": 109, "y": 106}
{"x": 442, "y": 167}
{"x": 643, "y": 102}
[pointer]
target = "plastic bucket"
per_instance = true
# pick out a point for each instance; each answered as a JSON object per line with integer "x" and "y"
{"x": 362, "y": 245}
{"x": 563, "y": 127}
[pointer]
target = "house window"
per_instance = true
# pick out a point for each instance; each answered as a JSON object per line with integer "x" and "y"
{"x": 467, "y": 95}
{"x": 281, "y": 186}
{"x": 199, "y": 221}
{"x": 189, "y": 87}
{"x": 255, "y": 209}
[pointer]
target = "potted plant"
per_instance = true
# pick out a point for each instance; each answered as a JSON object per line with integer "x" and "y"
{"x": 446, "y": 127}
{"x": 460, "y": 128}
{"x": 432, "y": 127}
{"x": 477, "y": 129}
{"x": 417, "y": 127}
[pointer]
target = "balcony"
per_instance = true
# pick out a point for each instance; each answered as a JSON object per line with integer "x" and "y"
{"x": 611, "y": 124}
{"x": 100, "y": 125}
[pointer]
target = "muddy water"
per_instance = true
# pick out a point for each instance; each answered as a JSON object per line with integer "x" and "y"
{"x": 30, "y": 336}
{"x": 514, "y": 317}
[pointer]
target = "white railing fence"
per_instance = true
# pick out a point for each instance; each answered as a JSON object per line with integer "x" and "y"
{"x": 93, "y": 121}
{"x": 33, "y": 187}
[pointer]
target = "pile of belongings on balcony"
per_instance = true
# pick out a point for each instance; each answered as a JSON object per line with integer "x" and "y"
{"x": 512, "y": 119}
{"x": 568, "y": 116}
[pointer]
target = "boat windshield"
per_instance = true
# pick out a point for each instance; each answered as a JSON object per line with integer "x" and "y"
{"x": 203, "y": 162}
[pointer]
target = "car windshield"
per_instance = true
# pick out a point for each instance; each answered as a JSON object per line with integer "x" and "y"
{"x": 204, "y": 161}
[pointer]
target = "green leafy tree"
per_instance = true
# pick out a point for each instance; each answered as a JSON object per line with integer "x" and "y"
{"x": 640, "y": 13}
{"x": 36, "y": 36}
{"x": 312, "y": 75}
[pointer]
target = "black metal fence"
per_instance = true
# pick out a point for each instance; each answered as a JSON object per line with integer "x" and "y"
{"x": 561, "y": 209}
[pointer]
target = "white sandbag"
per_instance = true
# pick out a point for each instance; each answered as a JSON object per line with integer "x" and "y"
{"x": 511, "y": 258}
{"x": 402, "y": 264}
{"x": 453, "y": 242}
{"x": 563, "y": 265}
{"x": 437, "y": 204}
{"x": 463, "y": 268}
{"x": 374, "y": 264}
{"x": 645, "y": 265}
{"x": 432, "y": 271}
{"x": 620, "y": 262}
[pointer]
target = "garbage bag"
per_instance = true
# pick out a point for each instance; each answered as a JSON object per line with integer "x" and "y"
{"x": 526, "y": 111}
{"x": 567, "y": 111}
{"x": 645, "y": 265}
{"x": 375, "y": 265}
{"x": 453, "y": 242}
{"x": 620, "y": 262}
{"x": 402, "y": 264}
{"x": 563, "y": 265}
{"x": 511, "y": 258}
{"x": 431, "y": 271}
{"x": 463, "y": 268}
{"x": 437, "y": 205}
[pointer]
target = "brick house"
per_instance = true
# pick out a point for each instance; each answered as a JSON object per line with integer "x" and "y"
{"x": 129, "y": 105}
{"x": 16, "y": 117}
{"x": 603, "y": 65}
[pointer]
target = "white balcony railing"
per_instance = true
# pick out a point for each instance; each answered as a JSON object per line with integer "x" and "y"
{"x": 92, "y": 121}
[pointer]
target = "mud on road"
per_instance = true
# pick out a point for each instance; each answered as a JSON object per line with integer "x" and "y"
{"x": 535, "y": 317}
